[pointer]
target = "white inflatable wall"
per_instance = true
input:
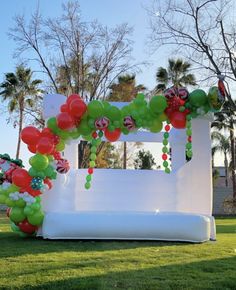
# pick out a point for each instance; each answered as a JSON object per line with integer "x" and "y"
{"x": 176, "y": 206}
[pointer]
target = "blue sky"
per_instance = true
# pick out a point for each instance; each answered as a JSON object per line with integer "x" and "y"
{"x": 107, "y": 12}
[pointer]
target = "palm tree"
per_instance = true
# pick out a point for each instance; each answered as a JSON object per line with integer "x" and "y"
{"x": 177, "y": 74}
{"x": 222, "y": 145}
{"x": 125, "y": 91}
{"x": 225, "y": 120}
{"x": 22, "y": 94}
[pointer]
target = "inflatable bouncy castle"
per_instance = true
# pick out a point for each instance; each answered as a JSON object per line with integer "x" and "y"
{"x": 56, "y": 200}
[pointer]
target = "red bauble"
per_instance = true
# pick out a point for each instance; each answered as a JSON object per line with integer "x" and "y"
{"x": 30, "y": 135}
{"x": 190, "y": 139}
{"x": 113, "y": 136}
{"x": 90, "y": 171}
{"x": 77, "y": 108}
{"x": 94, "y": 135}
{"x": 178, "y": 120}
{"x": 45, "y": 145}
{"x": 21, "y": 178}
{"x": 57, "y": 155}
{"x": 65, "y": 121}
{"x": 26, "y": 227}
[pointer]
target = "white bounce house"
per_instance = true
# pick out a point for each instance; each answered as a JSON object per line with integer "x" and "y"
{"x": 135, "y": 204}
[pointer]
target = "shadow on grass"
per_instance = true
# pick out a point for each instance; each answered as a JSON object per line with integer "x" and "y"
{"x": 212, "y": 274}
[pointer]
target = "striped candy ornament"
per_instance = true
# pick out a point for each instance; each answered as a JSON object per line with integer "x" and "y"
{"x": 129, "y": 123}
{"x": 62, "y": 166}
{"x": 170, "y": 93}
{"x": 102, "y": 123}
{"x": 183, "y": 93}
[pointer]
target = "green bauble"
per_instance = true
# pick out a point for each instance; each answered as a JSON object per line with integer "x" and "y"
{"x": 39, "y": 162}
{"x": 197, "y": 98}
{"x": 17, "y": 214}
{"x": 95, "y": 109}
{"x": 156, "y": 126}
{"x": 214, "y": 100}
{"x": 158, "y": 104}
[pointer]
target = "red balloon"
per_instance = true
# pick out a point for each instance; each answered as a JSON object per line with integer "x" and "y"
{"x": 178, "y": 120}
{"x": 113, "y": 136}
{"x": 72, "y": 98}
{"x": 21, "y": 177}
{"x": 26, "y": 227}
{"x": 32, "y": 191}
{"x": 46, "y": 132}
{"x": 32, "y": 148}
{"x": 65, "y": 121}
{"x": 64, "y": 108}
{"x": 30, "y": 135}
{"x": 45, "y": 145}
{"x": 77, "y": 108}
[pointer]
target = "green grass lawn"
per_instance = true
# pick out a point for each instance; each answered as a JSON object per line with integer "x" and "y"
{"x": 39, "y": 264}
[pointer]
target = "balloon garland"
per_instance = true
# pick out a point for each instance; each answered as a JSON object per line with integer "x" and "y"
{"x": 20, "y": 189}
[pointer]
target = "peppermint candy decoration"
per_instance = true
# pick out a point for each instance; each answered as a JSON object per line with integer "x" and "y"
{"x": 129, "y": 123}
{"x": 102, "y": 123}
{"x": 183, "y": 93}
{"x": 170, "y": 93}
{"x": 62, "y": 166}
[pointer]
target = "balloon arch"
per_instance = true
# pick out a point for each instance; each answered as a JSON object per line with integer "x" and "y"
{"x": 21, "y": 189}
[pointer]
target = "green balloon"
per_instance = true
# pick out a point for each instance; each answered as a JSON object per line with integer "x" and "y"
{"x": 84, "y": 128}
{"x": 28, "y": 211}
{"x": 20, "y": 203}
{"x": 197, "y": 98}
{"x": 113, "y": 113}
{"x": 95, "y": 109}
{"x": 39, "y": 162}
{"x": 10, "y": 203}
{"x": 60, "y": 146}
{"x": 49, "y": 171}
{"x": 75, "y": 134}
{"x": 35, "y": 173}
{"x": 158, "y": 104}
{"x": 156, "y": 126}
{"x": 2, "y": 199}
{"x": 17, "y": 214}
{"x": 162, "y": 117}
{"x": 14, "y": 228}
{"x": 52, "y": 124}
{"x": 36, "y": 219}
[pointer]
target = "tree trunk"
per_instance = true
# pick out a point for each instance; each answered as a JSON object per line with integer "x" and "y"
{"x": 19, "y": 131}
{"x": 232, "y": 148}
{"x": 81, "y": 149}
{"x": 125, "y": 156}
{"x": 226, "y": 171}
